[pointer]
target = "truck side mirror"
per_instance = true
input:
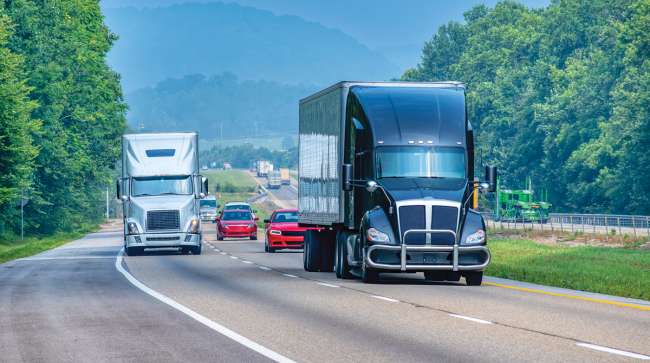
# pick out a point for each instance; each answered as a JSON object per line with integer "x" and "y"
{"x": 205, "y": 185}
{"x": 346, "y": 175}
{"x": 371, "y": 186}
{"x": 491, "y": 178}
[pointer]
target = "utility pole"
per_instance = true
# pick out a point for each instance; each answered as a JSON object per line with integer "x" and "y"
{"x": 22, "y": 214}
{"x": 107, "y": 205}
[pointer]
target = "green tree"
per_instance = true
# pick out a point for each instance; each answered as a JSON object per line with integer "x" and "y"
{"x": 17, "y": 151}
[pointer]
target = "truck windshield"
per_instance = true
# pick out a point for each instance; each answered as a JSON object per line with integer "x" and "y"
{"x": 161, "y": 185}
{"x": 237, "y": 216}
{"x": 208, "y": 203}
{"x": 420, "y": 162}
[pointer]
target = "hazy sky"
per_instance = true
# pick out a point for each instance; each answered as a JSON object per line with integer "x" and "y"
{"x": 395, "y": 28}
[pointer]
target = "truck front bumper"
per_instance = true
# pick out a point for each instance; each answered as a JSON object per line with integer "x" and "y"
{"x": 424, "y": 258}
{"x": 153, "y": 240}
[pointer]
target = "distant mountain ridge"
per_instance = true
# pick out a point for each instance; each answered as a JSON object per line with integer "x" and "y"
{"x": 212, "y": 38}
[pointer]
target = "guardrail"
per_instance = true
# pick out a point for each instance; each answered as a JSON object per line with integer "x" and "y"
{"x": 607, "y": 224}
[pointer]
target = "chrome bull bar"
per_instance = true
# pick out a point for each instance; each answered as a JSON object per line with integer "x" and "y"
{"x": 404, "y": 248}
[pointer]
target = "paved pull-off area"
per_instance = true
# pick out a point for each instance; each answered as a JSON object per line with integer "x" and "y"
{"x": 85, "y": 302}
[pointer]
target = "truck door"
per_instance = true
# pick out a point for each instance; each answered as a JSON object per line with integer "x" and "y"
{"x": 362, "y": 167}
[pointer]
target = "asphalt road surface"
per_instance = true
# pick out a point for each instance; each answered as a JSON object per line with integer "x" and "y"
{"x": 284, "y": 197}
{"x": 85, "y": 302}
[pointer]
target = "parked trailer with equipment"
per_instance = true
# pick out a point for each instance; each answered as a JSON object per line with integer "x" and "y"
{"x": 386, "y": 179}
{"x": 160, "y": 189}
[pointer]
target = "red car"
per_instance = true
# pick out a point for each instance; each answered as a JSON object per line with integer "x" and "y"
{"x": 236, "y": 224}
{"x": 282, "y": 231}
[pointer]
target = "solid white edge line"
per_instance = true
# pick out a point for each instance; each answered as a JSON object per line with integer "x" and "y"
{"x": 384, "y": 298}
{"x": 64, "y": 258}
{"x": 264, "y": 268}
{"x": 326, "y": 284}
{"x": 234, "y": 257}
{"x": 290, "y": 275}
{"x": 244, "y": 261}
{"x": 198, "y": 317}
{"x": 222, "y": 253}
{"x": 480, "y": 321}
{"x": 614, "y": 351}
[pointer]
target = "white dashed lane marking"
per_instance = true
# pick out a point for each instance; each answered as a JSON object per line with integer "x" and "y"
{"x": 327, "y": 285}
{"x": 290, "y": 275}
{"x": 384, "y": 298}
{"x": 264, "y": 268}
{"x": 614, "y": 351}
{"x": 480, "y": 321}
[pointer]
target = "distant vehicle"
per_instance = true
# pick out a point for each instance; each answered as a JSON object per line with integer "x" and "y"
{"x": 204, "y": 167}
{"x": 160, "y": 189}
{"x": 239, "y": 206}
{"x": 282, "y": 231}
{"x": 264, "y": 167}
{"x": 227, "y": 166}
{"x": 285, "y": 176}
{"x": 236, "y": 223}
{"x": 520, "y": 205}
{"x": 213, "y": 165}
{"x": 208, "y": 208}
{"x": 386, "y": 171}
{"x": 273, "y": 180}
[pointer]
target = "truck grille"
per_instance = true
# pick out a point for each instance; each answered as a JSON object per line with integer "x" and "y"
{"x": 414, "y": 217}
{"x": 163, "y": 220}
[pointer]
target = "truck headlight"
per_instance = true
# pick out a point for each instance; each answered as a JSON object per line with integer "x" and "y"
{"x": 194, "y": 226}
{"x": 475, "y": 238}
{"x": 375, "y": 235}
{"x": 132, "y": 228}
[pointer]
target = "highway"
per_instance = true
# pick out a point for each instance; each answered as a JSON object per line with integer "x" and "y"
{"x": 284, "y": 197}
{"x": 86, "y": 302}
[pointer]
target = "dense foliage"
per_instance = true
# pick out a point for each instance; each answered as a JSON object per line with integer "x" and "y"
{"x": 217, "y": 107}
{"x": 61, "y": 113}
{"x": 560, "y": 93}
{"x": 242, "y": 156}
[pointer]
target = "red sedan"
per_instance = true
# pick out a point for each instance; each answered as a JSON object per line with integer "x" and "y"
{"x": 236, "y": 224}
{"x": 282, "y": 231}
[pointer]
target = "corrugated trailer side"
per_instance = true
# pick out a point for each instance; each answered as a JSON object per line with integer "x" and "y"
{"x": 321, "y": 120}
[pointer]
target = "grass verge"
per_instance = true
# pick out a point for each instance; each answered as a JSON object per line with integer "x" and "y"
{"x": 15, "y": 248}
{"x": 613, "y": 271}
{"x": 230, "y": 181}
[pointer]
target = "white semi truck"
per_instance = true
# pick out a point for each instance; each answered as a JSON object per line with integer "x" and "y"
{"x": 160, "y": 189}
{"x": 264, "y": 167}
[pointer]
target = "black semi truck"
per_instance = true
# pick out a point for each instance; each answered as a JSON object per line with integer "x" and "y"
{"x": 386, "y": 180}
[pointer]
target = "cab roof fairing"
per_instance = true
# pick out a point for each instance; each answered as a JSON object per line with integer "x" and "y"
{"x": 137, "y": 163}
{"x": 424, "y": 116}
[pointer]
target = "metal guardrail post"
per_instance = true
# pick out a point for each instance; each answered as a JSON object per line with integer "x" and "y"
{"x": 618, "y": 221}
{"x": 606, "y": 230}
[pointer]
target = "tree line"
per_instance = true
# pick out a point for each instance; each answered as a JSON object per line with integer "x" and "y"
{"x": 61, "y": 114}
{"x": 561, "y": 94}
{"x": 242, "y": 156}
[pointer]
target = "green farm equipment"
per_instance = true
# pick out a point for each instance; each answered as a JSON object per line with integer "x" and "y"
{"x": 520, "y": 205}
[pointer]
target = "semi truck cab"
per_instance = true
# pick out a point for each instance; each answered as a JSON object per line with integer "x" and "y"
{"x": 394, "y": 189}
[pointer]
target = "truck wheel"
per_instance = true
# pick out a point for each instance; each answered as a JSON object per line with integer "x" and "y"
{"x": 474, "y": 278}
{"x": 132, "y": 251}
{"x": 311, "y": 255}
{"x": 185, "y": 250}
{"x": 196, "y": 250}
{"x": 327, "y": 241}
{"x": 341, "y": 266}
{"x": 368, "y": 275}
{"x": 253, "y": 238}
{"x": 219, "y": 237}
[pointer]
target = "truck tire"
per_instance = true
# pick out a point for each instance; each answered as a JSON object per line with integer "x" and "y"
{"x": 133, "y": 251}
{"x": 311, "y": 254}
{"x": 341, "y": 266}
{"x": 474, "y": 278}
{"x": 197, "y": 249}
{"x": 368, "y": 275}
{"x": 327, "y": 242}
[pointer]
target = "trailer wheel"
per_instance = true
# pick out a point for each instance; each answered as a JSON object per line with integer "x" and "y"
{"x": 327, "y": 241}
{"x": 474, "y": 278}
{"x": 341, "y": 266}
{"x": 311, "y": 255}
